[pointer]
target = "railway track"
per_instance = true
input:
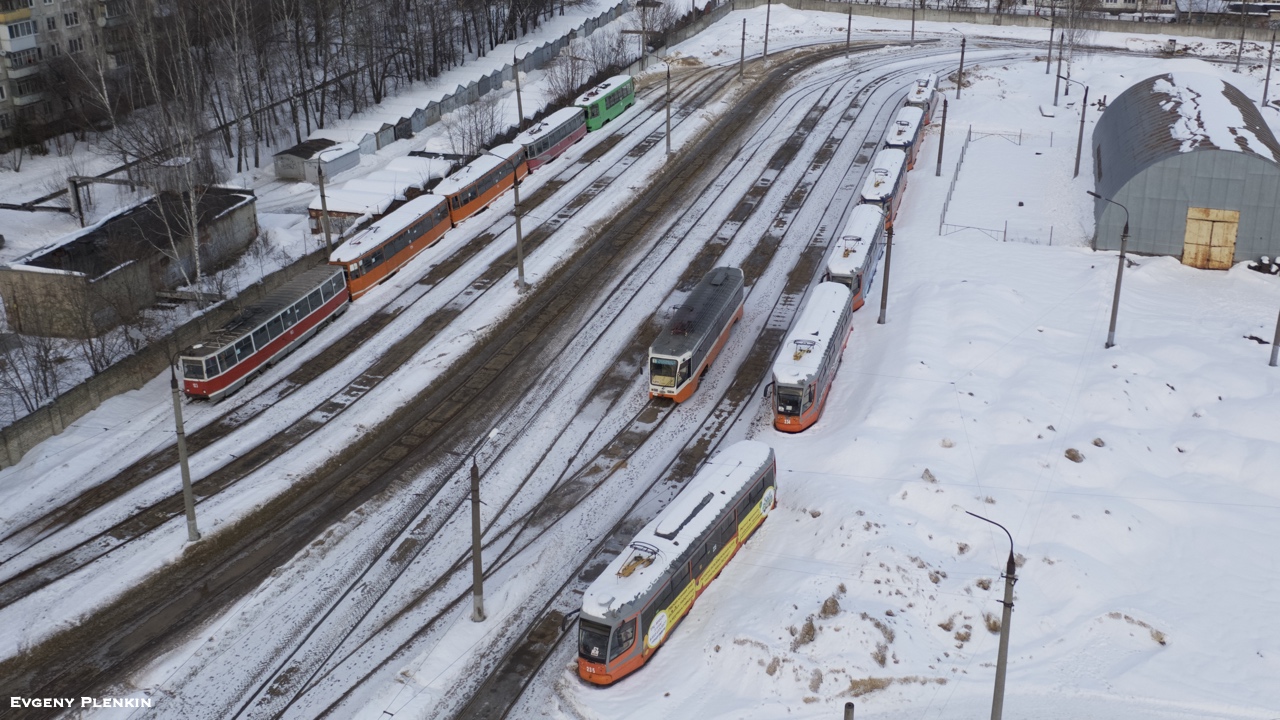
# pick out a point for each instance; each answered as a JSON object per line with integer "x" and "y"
{"x": 312, "y": 418}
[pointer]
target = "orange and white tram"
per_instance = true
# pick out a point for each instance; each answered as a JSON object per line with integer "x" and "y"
{"x": 545, "y": 141}
{"x": 644, "y": 593}
{"x": 886, "y": 183}
{"x": 263, "y": 333}
{"x": 806, "y": 365}
{"x": 480, "y": 182}
{"x": 906, "y": 132}
{"x": 857, "y": 253}
{"x": 694, "y": 334}
{"x": 380, "y": 250}
{"x": 923, "y": 94}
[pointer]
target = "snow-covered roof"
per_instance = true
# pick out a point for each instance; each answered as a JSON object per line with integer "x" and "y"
{"x": 922, "y": 89}
{"x": 601, "y": 90}
{"x": 340, "y": 134}
{"x": 512, "y": 151}
{"x": 353, "y": 202}
{"x": 905, "y": 127}
{"x": 419, "y": 167}
{"x": 818, "y": 325}
{"x": 392, "y": 188}
{"x": 473, "y": 171}
{"x": 333, "y": 152}
{"x": 883, "y": 177}
{"x": 388, "y": 226}
{"x": 550, "y": 122}
{"x": 672, "y": 531}
{"x": 1168, "y": 115}
{"x": 852, "y": 245}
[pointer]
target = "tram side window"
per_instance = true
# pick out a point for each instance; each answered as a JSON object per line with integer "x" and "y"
{"x": 315, "y": 301}
{"x": 244, "y": 348}
{"x": 702, "y": 557}
{"x": 327, "y": 290}
{"x": 300, "y": 310}
{"x": 227, "y": 358}
{"x": 211, "y": 366}
{"x": 261, "y": 337}
{"x": 728, "y": 528}
{"x": 275, "y": 327}
{"x": 623, "y": 638}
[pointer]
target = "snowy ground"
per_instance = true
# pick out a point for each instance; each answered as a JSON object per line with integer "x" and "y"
{"x": 990, "y": 368}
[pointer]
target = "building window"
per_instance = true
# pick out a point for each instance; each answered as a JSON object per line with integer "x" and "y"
{"x": 71, "y": 19}
{"x": 26, "y": 86}
{"x": 24, "y": 58}
{"x": 22, "y": 29}
{"x": 54, "y": 50}
{"x": 2, "y": 91}
{"x": 51, "y": 23}
{"x": 4, "y": 121}
{"x": 75, "y": 45}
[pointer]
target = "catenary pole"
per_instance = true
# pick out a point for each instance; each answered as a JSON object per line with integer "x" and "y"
{"x": 324, "y": 205}
{"x": 477, "y": 573}
{"x": 1275, "y": 344}
{"x": 668, "y": 104}
{"x": 768, "y": 11}
{"x": 848, "y": 30}
{"x": 1084, "y": 107}
{"x": 942, "y": 137}
{"x": 188, "y": 495}
{"x": 742, "y": 59}
{"x": 884, "y": 287}
{"x": 1057, "y": 80}
{"x": 1271, "y": 55}
{"x": 960, "y": 74}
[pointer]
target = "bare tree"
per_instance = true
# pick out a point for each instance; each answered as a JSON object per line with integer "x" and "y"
{"x": 606, "y": 49}
{"x": 471, "y": 127}
{"x": 565, "y": 75}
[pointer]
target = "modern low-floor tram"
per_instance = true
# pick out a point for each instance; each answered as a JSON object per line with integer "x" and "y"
{"x": 644, "y": 593}
{"x": 923, "y": 94}
{"x": 857, "y": 253}
{"x": 886, "y": 182}
{"x": 694, "y": 333}
{"x": 807, "y": 362}
{"x": 906, "y": 132}
{"x": 263, "y": 333}
{"x": 383, "y": 248}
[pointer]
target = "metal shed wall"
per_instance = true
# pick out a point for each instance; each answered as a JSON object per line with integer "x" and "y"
{"x": 1139, "y": 163}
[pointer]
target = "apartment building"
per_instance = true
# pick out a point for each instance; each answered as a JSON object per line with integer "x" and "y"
{"x": 34, "y": 33}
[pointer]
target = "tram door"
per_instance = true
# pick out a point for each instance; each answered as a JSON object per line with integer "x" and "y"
{"x": 1210, "y": 240}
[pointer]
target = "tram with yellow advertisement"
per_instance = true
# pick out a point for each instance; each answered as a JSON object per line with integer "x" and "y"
{"x": 644, "y": 593}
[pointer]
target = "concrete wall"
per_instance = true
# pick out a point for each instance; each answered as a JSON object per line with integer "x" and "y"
{"x": 134, "y": 371}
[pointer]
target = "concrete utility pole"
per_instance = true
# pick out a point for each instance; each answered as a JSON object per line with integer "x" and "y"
{"x": 1053, "y": 22}
{"x": 848, "y": 711}
{"x": 848, "y": 34}
{"x": 742, "y": 59}
{"x": 1266, "y": 84}
{"x": 1084, "y": 107}
{"x": 884, "y": 287}
{"x": 477, "y": 572}
{"x": 668, "y": 103}
{"x": 1275, "y": 344}
{"x": 1002, "y": 660}
{"x": 515, "y": 185}
{"x": 960, "y": 74}
{"x": 188, "y": 496}
{"x": 913, "y": 21}
{"x": 1124, "y": 241}
{"x": 768, "y": 10}
{"x": 515, "y": 70}
{"x": 942, "y": 137}
{"x": 1062, "y": 40}
{"x": 1240, "y": 47}
{"x": 324, "y": 205}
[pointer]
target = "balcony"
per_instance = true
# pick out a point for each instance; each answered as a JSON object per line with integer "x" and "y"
{"x": 10, "y": 16}
{"x": 16, "y": 44}
{"x": 25, "y": 100}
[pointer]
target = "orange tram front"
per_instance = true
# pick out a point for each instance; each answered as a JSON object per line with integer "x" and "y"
{"x": 644, "y": 593}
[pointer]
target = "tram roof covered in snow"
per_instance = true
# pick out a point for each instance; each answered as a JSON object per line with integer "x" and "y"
{"x": 251, "y": 317}
{"x": 469, "y": 173}
{"x": 883, "y": 177}
{"x": 801, "y": 354}
{"x": 921, "y": 91}
{"x": 905, "y": 127}
{"x": 550, "y": 122}
{"x": 512, "y": 151}
{"x": 604, "y": 88}
{"x": 853, "y": 244}
{"x": 380, "y": 232}
{"x": 672, "y": 532}
{"x": 693, "y": 319}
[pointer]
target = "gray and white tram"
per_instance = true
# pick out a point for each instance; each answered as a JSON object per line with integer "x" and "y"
{"x": 886, "y": 182}
{"x": 857, "y": 253}
{"x": 923, "y": 94}
{"x": 807, "y": 362}
{"x": 694, "y": 334}
{"x": 905, "y": 133}
{"x": 640, "y": 597}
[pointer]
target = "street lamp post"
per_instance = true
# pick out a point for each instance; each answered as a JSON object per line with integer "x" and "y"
{"x": 1062, "y": 39}
{"x": 1124, "y": 241}
{"x": 1084, "y": 106}
{"x": 188, "y": 496}
{"x": 960, "y": 73}
{"x": 1002, "y": 660}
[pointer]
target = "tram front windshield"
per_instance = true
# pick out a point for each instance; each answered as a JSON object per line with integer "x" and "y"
{"x": 593, "y": 639}
{"x": 790, "y": 400}
{"x": 662, "y": 372}
{"x": 845, "y": 280}
{"x": 192, "y": 369}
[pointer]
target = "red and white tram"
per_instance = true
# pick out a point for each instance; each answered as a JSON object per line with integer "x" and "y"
{"x": 644, "y": 593}
{"x": 886, "y": 182}
{"x": 380, "y": 250}
{"x": 545, "y": 141}
{"x": 857, "y": 253}
{"x": 906, "y": 132}
{"x": 263, "y": 333}
{"x": 480, "y": 182}
{"x": 806, "y": 364}
{"x": 694, "y": 334}
{"x": 923, "y": 94}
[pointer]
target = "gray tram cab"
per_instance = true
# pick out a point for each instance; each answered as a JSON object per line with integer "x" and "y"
{"x": 695, "y": 331}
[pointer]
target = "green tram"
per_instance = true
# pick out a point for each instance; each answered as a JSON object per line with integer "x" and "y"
{"x": 607, "y": 100}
